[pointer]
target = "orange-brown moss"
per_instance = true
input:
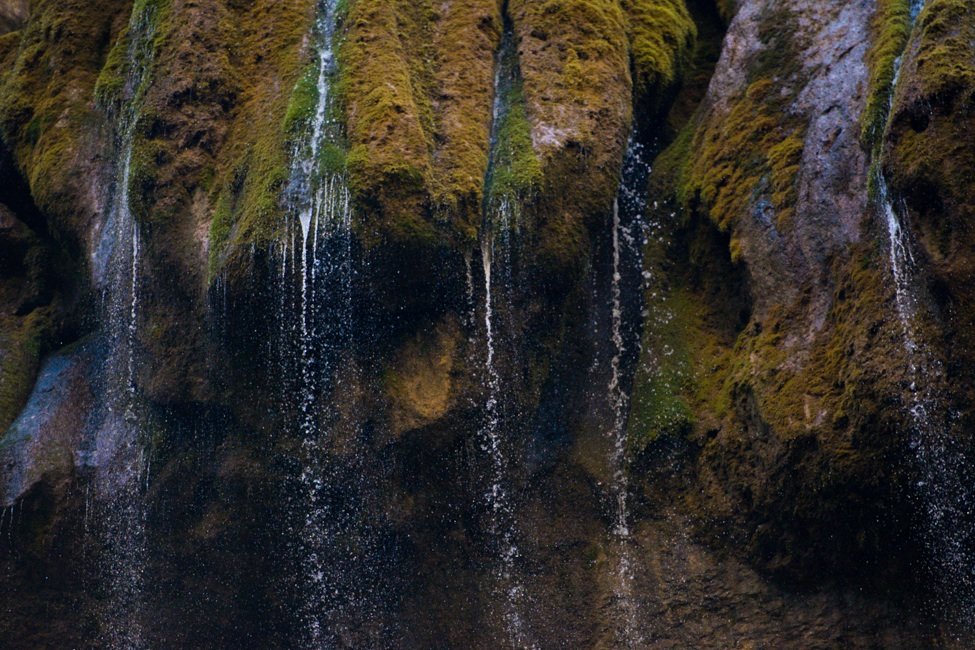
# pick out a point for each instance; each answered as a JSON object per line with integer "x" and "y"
{"x": 574, "y": 59}
{"x": 465, "y": 38}
{"x": 727, "y": 157}
{"x": 417, "y": 85}
{"x": 383, "y": 87}
{"x": 728, "y": 163}
{"x": 8, "y": 50}
{"x": 251, "y": 170}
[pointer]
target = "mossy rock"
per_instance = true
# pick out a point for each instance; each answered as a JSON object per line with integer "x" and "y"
{"x": 46, "y": 112}
{"x": 248, "y": 178}
{"x": 662, "y": 36}
{"x": 891, "y": 29}
{"x": 928, "y": 158}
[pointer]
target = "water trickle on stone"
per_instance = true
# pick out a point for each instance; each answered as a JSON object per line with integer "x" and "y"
{"x": 317, "y": 255}
{"x": 940, "y": 490}
{"x": 627, "y": 239}
{"x": 117, "y": 448}
{"x": 502, "y": 520}
{"x": 496, "y": 258}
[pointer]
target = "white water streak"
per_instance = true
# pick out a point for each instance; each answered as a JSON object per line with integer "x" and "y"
{"x": 623, "y": 584}
{"x": 944, "y": 499}
{"x": 502, "y": 514}
{"x": 320, "y": 203}
{"x": 497, "y": 225}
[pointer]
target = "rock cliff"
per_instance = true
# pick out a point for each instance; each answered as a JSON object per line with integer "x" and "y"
{"x": 547, "y": 323}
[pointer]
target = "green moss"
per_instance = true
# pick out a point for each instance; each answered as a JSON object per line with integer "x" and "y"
{"x": 518, "y": 171}
{"x": 250, "y": 173}
{"x": 145, "y": 21}
{"x": 187, "y": 83}
{"x": 259, "y": 210}
{"x": 662, "y": 35}
{"x": 304, "y": 100}
{"x": 515, "y": 172}
{"x": 664, "y": 380}
{"x": 891, "y": 29}
{"x": 332, "y": 159}
{"x": 684, "y": 383}
{"x": 670, "y": 167}
{"x": 45, "y": 106}
{"x": 111, "y": 78}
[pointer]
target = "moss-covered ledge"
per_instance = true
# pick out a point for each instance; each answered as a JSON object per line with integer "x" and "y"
{"x": 47, "y": 117}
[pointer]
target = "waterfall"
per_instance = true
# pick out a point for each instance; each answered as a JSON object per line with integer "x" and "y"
{"x": 497, "y": 261}
{"x": 502, "y": 517}
{"x": 335, "y": 592}
{"x": 118, "y": 448}
{"x": 940, "y": 490}
{"x": 625, "y": 284}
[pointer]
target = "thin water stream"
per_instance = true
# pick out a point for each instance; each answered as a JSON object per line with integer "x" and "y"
{"x": 119, "y": 449}
{"x": 319, "y": 240}
{"x": 940, "y": 491}
{"x": 497, "y": 261}
{"x": 625, "y": 283}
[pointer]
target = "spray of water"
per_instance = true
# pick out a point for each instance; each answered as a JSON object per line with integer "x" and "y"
{"x": 317, "y": 255}
{"x": 496, "y": 258}
{"x": 119, "y": 447}
{"x": 943, "y": 499}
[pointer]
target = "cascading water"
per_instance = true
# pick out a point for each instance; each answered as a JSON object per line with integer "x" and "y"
{"x": 627, "y": 238}
{"x": 502, "y": 515}
{"x": 338, "y": 592}
{"x": 119, "y": 447}
{"x": 941, "y": 491}
{"x": 496, "y": 230}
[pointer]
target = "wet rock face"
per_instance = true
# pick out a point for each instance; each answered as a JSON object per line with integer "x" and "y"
{"x": 775, "y": 160}
{"x": 767, "y": 446}
{"x": 933, "y": 111}
{"x": 807, "y": 207}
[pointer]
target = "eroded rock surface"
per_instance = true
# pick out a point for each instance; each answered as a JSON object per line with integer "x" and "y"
{"x": 754, "y": 334}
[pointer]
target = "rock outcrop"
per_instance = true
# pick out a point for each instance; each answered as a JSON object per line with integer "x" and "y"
{"x": 768, "y": 420}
